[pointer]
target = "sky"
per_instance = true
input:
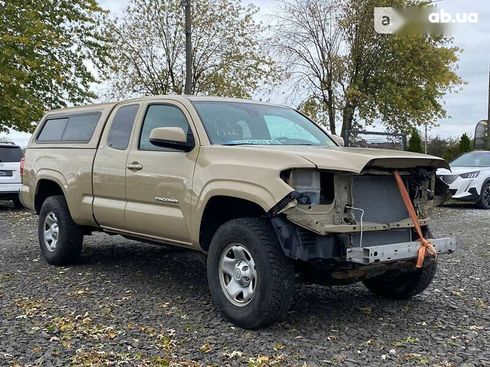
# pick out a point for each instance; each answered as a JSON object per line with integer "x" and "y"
{"x": 465, "y": 107}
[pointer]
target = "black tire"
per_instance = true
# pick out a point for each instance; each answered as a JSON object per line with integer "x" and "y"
{"x": 484, "y": 202}
{"x": 17, "y": 203}
{"x": 274, "y": 287}
{"x": 69, "y": 237}
{"x": 399, "y": 284}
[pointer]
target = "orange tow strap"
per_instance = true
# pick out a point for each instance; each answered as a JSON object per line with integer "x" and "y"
{"x": 424, "y": 244}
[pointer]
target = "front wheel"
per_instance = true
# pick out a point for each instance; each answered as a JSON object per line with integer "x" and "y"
{"x": 60, "y": 238}
{"x": 399, "y": 284}
{"x": 484, "y": 202}
{"x": 250, "y": 279}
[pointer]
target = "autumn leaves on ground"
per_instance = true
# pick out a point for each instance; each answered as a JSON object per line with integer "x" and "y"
{"x": 142, "y": 305}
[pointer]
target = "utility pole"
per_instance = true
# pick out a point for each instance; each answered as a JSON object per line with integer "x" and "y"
{"x": 425, "y": 139}
{"x": 188, "y": 46}
{"x": 488, "y": 114}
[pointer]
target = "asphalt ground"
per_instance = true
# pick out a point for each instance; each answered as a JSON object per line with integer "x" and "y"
{"x": 127, "y": 303}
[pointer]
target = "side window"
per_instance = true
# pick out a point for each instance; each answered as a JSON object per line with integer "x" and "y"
{"x": 484, "y": 160}
{"x": 80, "y": 127}
{"x": 161, "y": 116}
{"x": 280, "y": 127}
{"x": 121, "y": 127}
{"x": 52, "y": 130}
{"x": 75, "y": 128}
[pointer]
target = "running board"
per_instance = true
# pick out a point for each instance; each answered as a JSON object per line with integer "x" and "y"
{"x": 397, "y": 251}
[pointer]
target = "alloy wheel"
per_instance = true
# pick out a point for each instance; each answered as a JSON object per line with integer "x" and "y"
{"x": 486, "y": 195}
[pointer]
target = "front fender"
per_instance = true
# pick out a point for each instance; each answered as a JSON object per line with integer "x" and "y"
{"x": 249, "y": 191}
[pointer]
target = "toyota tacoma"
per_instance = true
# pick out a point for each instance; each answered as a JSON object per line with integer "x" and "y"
{"x": 264, "y": 192}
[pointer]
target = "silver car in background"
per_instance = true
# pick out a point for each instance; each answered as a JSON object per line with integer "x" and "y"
{"x": 469, "y": 178}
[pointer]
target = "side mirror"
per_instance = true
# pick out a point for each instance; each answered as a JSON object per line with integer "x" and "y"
{"x": 339, "y": 140}
{"x": 171, "y": 137}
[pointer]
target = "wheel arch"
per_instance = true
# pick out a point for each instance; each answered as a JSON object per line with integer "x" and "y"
{"x": 219, "y": 209}
{"x": 248, "y": 193}
{"x": 46, "y": 187}
{"x": 480, "y": 203}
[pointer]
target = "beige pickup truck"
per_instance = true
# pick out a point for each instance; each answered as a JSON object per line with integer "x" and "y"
{"x": 263, "y": 191}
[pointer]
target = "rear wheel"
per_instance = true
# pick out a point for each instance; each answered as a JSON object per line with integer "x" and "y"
{"x": 60, "y": 238}
{"x": 484, "y": 201}
{"x": 398, "y": 284}
{"x": 250, "y": 279}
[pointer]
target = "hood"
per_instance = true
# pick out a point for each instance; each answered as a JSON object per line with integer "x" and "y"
{"x": 354, "y": 159}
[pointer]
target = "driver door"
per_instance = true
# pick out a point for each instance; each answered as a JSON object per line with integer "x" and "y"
{"x": 159, "y": 180}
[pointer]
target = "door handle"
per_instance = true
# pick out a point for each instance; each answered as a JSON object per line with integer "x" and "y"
{"x": 135, "y": 166}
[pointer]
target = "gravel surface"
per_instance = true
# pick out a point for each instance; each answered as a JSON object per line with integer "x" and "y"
{"x": 127, "y": 303}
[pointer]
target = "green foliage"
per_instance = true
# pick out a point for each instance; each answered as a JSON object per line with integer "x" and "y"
{"x": 449, "y": 148}
{"x": 415, "y": 142}
{"x": 46, "y": 47}
{"x": 149, "y": 49}
{"x": 335, "y": 56}
{"x": 458, "y": 147}
{"x": 465, "y": 144}
{"x": 441, "y": 147}
{"x": 313, "y": 107}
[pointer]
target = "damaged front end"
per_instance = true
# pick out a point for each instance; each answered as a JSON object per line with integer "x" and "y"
{"x": 355, "y": 225}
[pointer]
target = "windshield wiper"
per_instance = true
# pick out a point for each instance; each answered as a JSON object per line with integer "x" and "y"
{"x": 231, "y": 144}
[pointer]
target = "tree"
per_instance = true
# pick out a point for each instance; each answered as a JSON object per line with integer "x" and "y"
{"x": 357, "y": 76}
{"x": 439, "y": 146}
{"x": 148, "y": 50}
{"x": 464, "y": 144}
{"x": 308, "y": 40}
{"x": 46, "y": 49}
{"x": 415, "y": 142}
{"x": 447, "y": 148}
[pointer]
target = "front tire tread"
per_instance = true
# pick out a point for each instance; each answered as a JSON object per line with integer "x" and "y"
{"x": 270, "y": 307}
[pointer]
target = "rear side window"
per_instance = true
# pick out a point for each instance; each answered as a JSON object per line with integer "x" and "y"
{"x": 10, "y": 154}
{"x": 52, "y": 130}
{"x": 121, "y": 127}
{"x": 77, "y": 128}
{"x": 80, "y": 127}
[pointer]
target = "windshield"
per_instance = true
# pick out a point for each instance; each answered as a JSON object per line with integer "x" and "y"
{"x": 473, "y": 159}
{"x": 236, "y": 123}
{"x": 10, "y": 154}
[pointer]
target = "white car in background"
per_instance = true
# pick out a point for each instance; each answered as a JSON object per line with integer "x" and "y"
{"x": 10, "y": 176}
{"x": 469, "y": 178}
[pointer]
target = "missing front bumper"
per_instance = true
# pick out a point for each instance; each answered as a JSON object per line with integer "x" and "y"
{"x": 397, "y": 251}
